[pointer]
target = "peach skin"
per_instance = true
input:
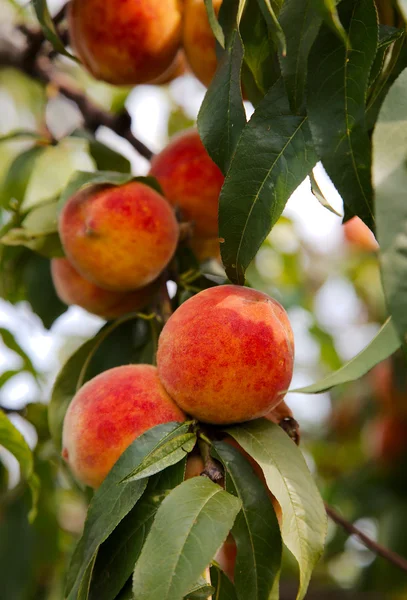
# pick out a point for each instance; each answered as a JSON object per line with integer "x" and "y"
{"x": 125, "y": 42}
{"x": 72, "y": 288}
{"x": 108, "y": 413}
{"x": 359, "y": 235}
{"x": 226, "y": 355}
{"x": 190, "y": 181}
{"x": 119, "y": 238}
{"x": 199, "y": 41}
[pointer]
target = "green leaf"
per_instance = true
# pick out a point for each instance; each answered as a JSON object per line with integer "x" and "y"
{"x": 72, "y": 377}
{"x": 222, "y": 116}
{"x": 105, "y": 158}
{"x": 300, "y": 23}
{"x": 288, "y": 478}
{"x": 387, "y": 37}
{"x": 40, "y": 291}
{"x": 82, "y": 179}
{"x": 14, "y": 442}
{"x": 383, "y": 345}
{"x": 316, "y": 190}
{"x": 255, "y": 531}
{"x": 402, "y": 4}
{"x": 200, "y": 591}
{"x": 48, "y": 27}
{"x": 270, "y": 14}
{"x": 274, "y": 155}
{"x": 214, "y": 23}
{"x": 10, "y": 341}
{"x": 328, "y": 11}
{"x": 225, "y": 589}
{"x": 177, "y": 550}
{"x": 390, "y": 180}
{"x": 110, "y": 504}
{"x": 260, "y": 68}
{"x": 18, "y": 176}
{"x": 167, "y": 453}
{"x": 119, "y": 553}
{"x": 336, "y": 105}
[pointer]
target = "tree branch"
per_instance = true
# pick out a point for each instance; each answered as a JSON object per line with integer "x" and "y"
{"x": 378, "y": 549}
{"x": 23, "y": 52}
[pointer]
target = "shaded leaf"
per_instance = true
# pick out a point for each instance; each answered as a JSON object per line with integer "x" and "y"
{"x": 300, "y": 22}
{"x": 225, "y": 589}
{"x": 255, "y": 531}
{"x": 10, "y": 341}
{"x": 177, "y": 550}
{"x": 390, "y": 180}
{"x": 328, "y": 11}
{"x": 387, "y": 37}
{"x": 200, "y": 591}
{"x": 110, "y": 504}
{"x": 269, "y": 10}
{"x": 288, "y": 478}
{"x": 39, "y": 289}
{"x": 274, "y": 155}
{"x": 336, "y": 105}
{"x": 14, "y": 442}
{"x": 383, "y": 345}
{"x": 222, "y": 116}
{"x": 214, "y": 23}
{"x": 260, "y": 68}
{"x": 119, "y": 553}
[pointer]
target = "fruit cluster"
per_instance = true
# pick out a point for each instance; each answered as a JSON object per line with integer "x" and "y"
{"x": 118, "y": 239}
{"x": 129, "y": 43}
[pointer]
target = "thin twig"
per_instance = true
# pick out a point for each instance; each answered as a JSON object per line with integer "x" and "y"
{"x": 28, "y": 59}
{"x": 378, "y": 549}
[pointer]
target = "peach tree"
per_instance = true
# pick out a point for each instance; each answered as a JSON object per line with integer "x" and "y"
{"x": 192, "y": 474}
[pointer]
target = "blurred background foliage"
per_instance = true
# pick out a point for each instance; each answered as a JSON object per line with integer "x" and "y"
{"x": 354, "y": 438}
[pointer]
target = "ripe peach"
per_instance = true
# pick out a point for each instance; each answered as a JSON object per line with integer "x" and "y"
{"x": 72, "y": 288}
{"x": 359, "y": 235}
{"x": 199, "y": 41}
{"x": 204, "y": 249}
{"x": 176, "y": 69}
{"x": 191, "y": 181}
{"x": 226, "y": 355}
{"x": 108, "y": 413}
{"x": 126, "y": 42}
{"x": 118, "y": 237}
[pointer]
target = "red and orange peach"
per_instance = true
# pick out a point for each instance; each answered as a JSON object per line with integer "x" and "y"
{"x": 359, "y": 235}
{"x": 72, "y": 288}
{"x": 126, "y": 42}
{"x": 226, "y": 355}
{"x": 108, "y": 413}
{"x": 199, "y": 41}
{"x": 190, "y": 181}
{"x": 118, "y": 237}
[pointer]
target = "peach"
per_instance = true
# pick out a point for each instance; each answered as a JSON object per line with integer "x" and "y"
{"x": 119, "y": 237}
{"x": 199, "y": 41}
{"x": 72, "y": 288}
{"x": 359, "y": 235}
{"x": 108, "y": 413}
{"x": 190, "y": 181}
{"x": 124, "y": 42}
{"x": 204, "y": 249}
{"x": 176, "y": 69}
{"x": 226, "y": 355}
